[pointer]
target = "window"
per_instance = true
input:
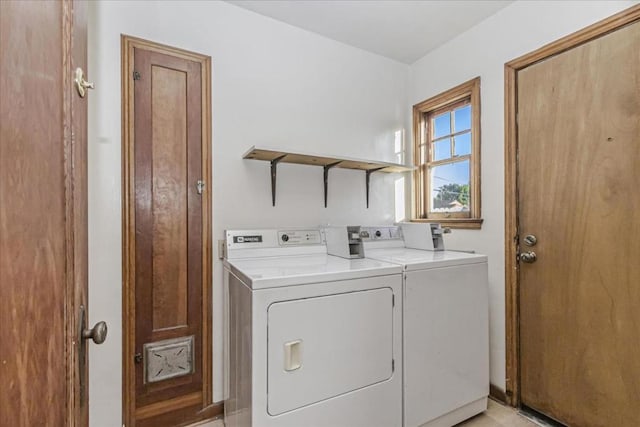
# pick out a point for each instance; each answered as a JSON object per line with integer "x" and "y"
{"x": 447, "y": 157}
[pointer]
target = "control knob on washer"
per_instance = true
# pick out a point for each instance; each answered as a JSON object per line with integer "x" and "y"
{"x": 285, "y": 237}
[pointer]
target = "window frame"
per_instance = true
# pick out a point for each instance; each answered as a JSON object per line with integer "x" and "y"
{"x": 466, "y": 93}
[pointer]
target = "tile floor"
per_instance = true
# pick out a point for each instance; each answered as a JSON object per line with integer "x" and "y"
{"x": 215, "y": 423}
{"x": 496, "y": 416}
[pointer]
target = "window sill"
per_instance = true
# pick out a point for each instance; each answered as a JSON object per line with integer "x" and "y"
{"x": 455, "y": 223}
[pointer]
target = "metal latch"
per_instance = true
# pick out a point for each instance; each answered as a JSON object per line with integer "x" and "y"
{"x": 200, "y": 186}
{"x": 81, "y": 84}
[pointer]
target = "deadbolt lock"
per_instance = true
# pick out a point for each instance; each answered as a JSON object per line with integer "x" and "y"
{"x": 530, "y": 240}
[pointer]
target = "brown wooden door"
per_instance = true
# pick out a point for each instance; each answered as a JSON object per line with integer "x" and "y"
{"x": 579, "y": 194}
{"x": 43, "y": 214}
{"x": 168, "y": 238}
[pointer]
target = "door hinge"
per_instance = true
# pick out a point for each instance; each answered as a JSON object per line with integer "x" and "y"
{"x": 136, "y": 75}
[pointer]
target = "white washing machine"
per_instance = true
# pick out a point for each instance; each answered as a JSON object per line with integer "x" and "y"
{"x": 445, "y": 324}
{"x": 311, "y": 339}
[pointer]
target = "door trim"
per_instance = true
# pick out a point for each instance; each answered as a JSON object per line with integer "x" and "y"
{"x": 511, "y": 68}
{"x": 128, "y": 44}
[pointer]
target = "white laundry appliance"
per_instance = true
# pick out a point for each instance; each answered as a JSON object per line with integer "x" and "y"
{"x": 445, "y": 323}
{"x": 311, "y": 339}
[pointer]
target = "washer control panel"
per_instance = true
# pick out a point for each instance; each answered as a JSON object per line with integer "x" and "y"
{"x": 381, "y": 233}
{"x": 299, "y": 237}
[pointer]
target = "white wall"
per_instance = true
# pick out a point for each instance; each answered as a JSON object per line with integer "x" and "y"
{"x": 482, "y": 51}
{"x": 273, "y": 84}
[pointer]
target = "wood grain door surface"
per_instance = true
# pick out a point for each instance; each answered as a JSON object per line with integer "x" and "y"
{"x": 77, "y": 213}
{"x": 579, "y": 194}
{"x": 168, "y": 228}
{"x": 43, "y": 214}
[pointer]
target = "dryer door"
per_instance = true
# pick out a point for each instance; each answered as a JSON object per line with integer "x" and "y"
{"x": 326, "y": 346}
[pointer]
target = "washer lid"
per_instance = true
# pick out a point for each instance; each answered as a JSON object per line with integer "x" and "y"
{"x": 271, "y": 272}
{"x": 416, "y": 259}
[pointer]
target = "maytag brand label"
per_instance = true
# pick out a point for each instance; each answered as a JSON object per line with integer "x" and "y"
{"x": 247, "y": 239}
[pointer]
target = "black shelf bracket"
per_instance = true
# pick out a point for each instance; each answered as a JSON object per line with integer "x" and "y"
{"x": 326, "y": 180}
{"x": 274, "y": 171}
{"x": 368, "y": 177}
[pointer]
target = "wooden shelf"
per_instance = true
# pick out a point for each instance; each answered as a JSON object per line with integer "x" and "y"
{"x": 275, "y": 156}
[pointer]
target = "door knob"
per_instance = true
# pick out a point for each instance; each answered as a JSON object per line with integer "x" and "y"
{"x": 81, "y": 84}
{"x": 98, "y": 333}
{"x": 528, "y": 257}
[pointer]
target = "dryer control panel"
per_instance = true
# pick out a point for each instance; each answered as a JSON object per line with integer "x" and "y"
{"x": 272, "y": 242}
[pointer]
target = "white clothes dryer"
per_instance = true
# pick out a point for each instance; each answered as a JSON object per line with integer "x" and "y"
{"x": 445, "y": 326}
{"x": 311, "y": 339}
